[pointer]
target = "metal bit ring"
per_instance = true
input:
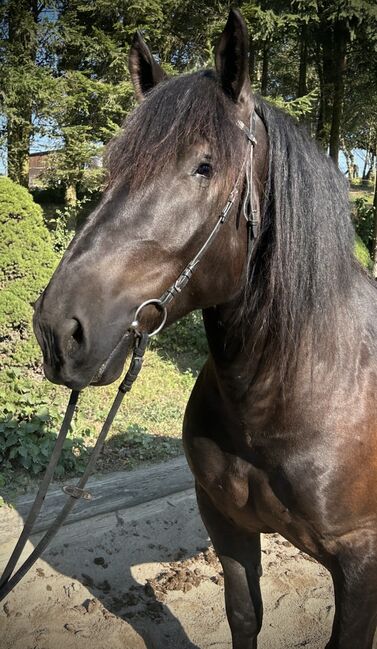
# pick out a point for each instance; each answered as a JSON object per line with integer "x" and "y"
{"x": 160, "y": 307}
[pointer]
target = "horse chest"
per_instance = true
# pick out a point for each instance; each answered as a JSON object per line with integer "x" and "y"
{"x": 247, "y": 495}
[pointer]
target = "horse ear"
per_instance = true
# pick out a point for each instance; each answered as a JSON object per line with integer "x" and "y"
{"x": 145, "y": 72}
{"x": 232, "y": 59}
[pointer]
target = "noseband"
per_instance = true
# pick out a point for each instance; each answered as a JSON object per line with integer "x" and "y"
{"x": 9, "y": 578}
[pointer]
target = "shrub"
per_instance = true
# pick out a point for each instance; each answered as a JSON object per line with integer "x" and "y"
{"x": 28, "y": 428}
{"x": 28, "y": 421}
{"x": 362, "y": 254}
{"x": 186, "y": 334}
{"x": 27, "y": 262}
{"x": 364, "y": 221}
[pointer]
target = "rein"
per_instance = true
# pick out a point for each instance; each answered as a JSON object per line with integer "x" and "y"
{"x": 10, "y": 578}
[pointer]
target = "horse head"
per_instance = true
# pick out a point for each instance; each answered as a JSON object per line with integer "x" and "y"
{"x": 171, "y": 170}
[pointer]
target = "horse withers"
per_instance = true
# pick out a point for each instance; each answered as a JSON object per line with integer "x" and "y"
{"x": 281, "y": 428}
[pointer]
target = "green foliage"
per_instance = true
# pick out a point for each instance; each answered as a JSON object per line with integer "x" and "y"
{"x": 27, "y": 83}
{"x": 28, "y": 420}
{"x": 362, "y": 254}
{"x": 27, "y": 264}
{"x": 28, "y": 431}
{"x": 138, "y": 445}
{"x": 364, "y": 217}
{"x": 187, "y": 334}
{"x": 93, "y": 91}
{"x": 298, "y": 108}
{"x": 64, "y": 222}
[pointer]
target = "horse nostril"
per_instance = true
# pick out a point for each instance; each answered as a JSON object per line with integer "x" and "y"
{"x": 78, "y": 333}
{"x": 74, "y": 333}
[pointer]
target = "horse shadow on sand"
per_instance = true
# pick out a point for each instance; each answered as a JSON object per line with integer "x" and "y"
{"x": 114, "y": 555}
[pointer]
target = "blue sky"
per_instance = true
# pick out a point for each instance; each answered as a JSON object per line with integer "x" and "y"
{"x": 39, "y": 143}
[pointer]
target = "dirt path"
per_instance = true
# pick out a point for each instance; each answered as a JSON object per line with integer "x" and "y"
{"x": 146, "y": 578}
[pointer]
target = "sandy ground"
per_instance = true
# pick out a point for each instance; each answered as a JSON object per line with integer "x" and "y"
{"x": 147, "y": 578}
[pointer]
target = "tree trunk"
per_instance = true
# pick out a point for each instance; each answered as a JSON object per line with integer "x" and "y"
{"x": 365, "y": 165}
{"x": 369, "y": 171}
{"x": 368, "y": 152}
{"x": 340, "y": 46}
{"x": 375, "y": 221}
{"x": 264, "y": 78}
{"x": 18, "y": 139}
{"x": 350, "y": 160}
{"x": 252, "y": 61}
{"x": 302, "y": 88}
{"x": 21, "y": 47}
{"x": 325, "y": 73}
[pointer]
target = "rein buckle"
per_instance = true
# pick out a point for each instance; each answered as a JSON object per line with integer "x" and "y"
{"x": 77, "y": 493}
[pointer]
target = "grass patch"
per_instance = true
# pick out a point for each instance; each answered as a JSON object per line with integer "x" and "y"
{"x": 361, "y": 189}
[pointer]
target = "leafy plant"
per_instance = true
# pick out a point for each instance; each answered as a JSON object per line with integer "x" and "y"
{"x": 27, "y": 262}
{"x": 186, "y": 335}
{"x": 364, "y": 221}
{"x": 28, "y": 431}
{"x": 63, "y": 224}
{"x": 362, "y": 254}
{"x": 299, "y": 107}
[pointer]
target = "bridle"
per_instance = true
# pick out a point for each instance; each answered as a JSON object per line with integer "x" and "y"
{"x": 10, "y": 578}
{"x": 250, "y": 213}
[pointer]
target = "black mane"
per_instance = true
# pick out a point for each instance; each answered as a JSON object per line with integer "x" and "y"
{"x": 304, "y": 262}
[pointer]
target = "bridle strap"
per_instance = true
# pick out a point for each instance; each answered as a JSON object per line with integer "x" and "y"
{"x": 251, "y": 216}
{"x": 250, "y": 209}
{"x": 173, "y": 290}
{"x": 38, "y": 502}
{"x": 249, "y": 132}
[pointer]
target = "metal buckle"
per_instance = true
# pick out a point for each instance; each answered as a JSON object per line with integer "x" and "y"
{"x": 159, "y": 306}
{"x": 77, "y": 493}
{"x": 250, "y": 136}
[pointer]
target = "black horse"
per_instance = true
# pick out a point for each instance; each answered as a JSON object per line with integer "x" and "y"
{"x": 281, "y": 428}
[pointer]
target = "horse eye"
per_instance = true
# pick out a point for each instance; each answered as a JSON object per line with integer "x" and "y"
{"x": 204, "y": 169}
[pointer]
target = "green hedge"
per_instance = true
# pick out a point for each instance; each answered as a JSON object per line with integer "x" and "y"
{"x": 362, "y": 253}
{"x": 27, "y": 262}
{"x": 29, "y": 418}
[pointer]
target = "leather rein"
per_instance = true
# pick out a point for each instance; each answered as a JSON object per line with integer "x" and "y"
{"x": 10, "y": 577}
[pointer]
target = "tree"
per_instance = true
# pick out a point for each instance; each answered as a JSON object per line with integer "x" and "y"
{"x": 64, "y": 68}
{"x": 341, "y": 23}
{"x": 26, "y": 80}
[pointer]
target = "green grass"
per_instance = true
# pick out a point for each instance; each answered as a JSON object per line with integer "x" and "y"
{"x": 360, "y": 189}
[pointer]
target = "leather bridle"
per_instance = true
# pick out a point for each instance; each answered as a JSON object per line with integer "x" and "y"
{"x": 10, "y": 578}
{"x": 250, "y": 214}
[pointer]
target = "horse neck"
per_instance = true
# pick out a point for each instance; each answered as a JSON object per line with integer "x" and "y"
{"x": 246, "y": 360}
{"x": 235, "y": 357}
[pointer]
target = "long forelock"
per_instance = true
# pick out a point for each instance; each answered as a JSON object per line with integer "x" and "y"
{"x": 177, "y": 114}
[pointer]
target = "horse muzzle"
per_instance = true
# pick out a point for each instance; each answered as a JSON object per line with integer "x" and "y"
{"x": 71, "y": 358}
